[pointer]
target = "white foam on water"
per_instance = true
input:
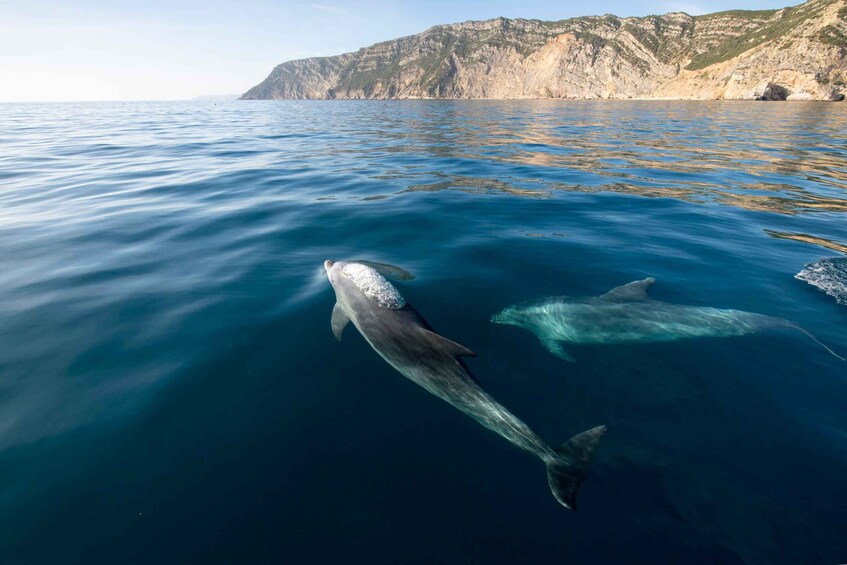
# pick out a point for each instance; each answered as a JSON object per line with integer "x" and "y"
{"x": 374, "y": 285}
{"x": 829, "y": 275}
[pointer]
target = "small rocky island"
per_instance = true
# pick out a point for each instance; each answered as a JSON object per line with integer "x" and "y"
{"x": 795, "y": 53}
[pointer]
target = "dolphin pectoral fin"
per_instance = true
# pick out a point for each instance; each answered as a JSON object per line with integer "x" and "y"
{"x": 339, "y": 321}
{"x": 631, "y": 292}
{"x": 555, "y": 347}
{"x": 567, "y": 470}
{"x": 445, "y": 344}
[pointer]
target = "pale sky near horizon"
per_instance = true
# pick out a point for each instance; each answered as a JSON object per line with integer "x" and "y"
{"x": 166, "y": 50}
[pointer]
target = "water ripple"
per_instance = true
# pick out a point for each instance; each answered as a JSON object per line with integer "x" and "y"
{"x": 160, "y": 265}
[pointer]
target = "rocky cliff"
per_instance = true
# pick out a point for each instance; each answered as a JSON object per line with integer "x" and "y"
{"x": 798, "y": 53}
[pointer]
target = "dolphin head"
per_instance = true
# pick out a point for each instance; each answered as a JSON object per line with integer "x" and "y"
{"x": 333, "y": 270}
{"x": 511, "y": 316}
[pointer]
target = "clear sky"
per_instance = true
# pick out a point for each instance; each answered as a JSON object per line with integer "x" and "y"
{"x": 176, "y": 49}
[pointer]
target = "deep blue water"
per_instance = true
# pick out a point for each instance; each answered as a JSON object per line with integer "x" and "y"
{"x": 170, "y": 390}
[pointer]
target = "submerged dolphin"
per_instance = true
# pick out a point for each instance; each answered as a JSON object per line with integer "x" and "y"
{"x": 402, "y": 337}
{"x": 627, "y": 315}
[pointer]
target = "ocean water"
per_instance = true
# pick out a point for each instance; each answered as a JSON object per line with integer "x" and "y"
{"x": 170, "y": 390}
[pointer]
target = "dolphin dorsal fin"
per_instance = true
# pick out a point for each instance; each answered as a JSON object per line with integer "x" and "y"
{"x": 388, "y": 271}
{"x": 451, "y": 347}
{"x": 630, "y": 292}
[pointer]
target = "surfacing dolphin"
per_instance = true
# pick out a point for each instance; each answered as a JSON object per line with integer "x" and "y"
{"x": 402, "y": 337}
{"x": 627, "y": 315}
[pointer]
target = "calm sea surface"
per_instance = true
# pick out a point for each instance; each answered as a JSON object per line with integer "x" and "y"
{"x": 170, "y": 390}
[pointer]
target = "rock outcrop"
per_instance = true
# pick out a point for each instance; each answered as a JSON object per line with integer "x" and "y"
{"x": 772, "y": 91}
{"x": 796, "y": 53}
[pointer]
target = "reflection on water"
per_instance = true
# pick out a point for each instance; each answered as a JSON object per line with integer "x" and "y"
{"x": 694, "y": 151}
{"x": 806, "y": 238}
{"x": 798, "y": 201}
{"x": 472, "y": 185}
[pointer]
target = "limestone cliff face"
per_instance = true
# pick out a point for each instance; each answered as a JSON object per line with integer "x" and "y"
{"x": 794, "y": 53}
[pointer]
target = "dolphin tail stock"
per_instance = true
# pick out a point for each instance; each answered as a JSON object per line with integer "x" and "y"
{"x": 566, "y": 471}
{"x": 816, "y": 340}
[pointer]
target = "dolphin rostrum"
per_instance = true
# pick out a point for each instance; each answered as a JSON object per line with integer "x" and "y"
{"x": 402, "y": 337}
{"x": 627, "y": 315}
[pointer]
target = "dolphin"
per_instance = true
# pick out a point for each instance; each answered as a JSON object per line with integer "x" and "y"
{"x": 400, "y": 335}
{"x": 627, "y": 315}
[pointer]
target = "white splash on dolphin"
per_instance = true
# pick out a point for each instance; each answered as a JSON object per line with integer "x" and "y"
{"x": 627, "y": 315}
{"x": 374, "y": 285}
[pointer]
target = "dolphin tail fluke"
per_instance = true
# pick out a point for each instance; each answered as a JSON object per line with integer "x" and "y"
{"x": 566, "y": 471}
{"x": 816, "y": 340}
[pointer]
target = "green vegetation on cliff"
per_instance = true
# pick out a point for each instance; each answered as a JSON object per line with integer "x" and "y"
{"x": 776, "y": 23}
